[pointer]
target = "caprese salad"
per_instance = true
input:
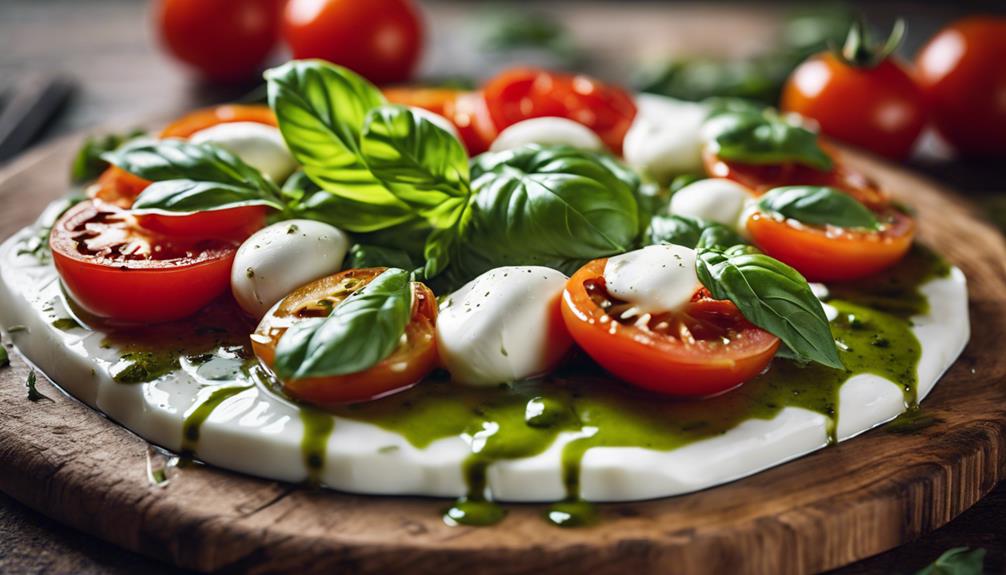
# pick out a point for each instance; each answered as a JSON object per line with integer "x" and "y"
{"x": 545, "y": 289}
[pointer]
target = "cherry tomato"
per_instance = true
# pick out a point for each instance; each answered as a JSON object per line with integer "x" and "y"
{"x": 379, "y": 39}
{"x": 833, "y": 254}
{"x": 406, "y": 366}
{"x": 525, "y": 93}
{"x": 115, "y": 269}
{"x": 962, "y": 71}
{"x": 199, "y": 120}
{"x": 705, "y": 349}
{"x": 879, "y": 108}
{"x": 470, "y": 115}
{"x": 435, "y": 100}
{"x": 223, "y": 39}
{"x": 762, "y": 178}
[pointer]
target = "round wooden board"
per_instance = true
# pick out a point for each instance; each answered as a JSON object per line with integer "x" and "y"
{"x": 822, "y": 511}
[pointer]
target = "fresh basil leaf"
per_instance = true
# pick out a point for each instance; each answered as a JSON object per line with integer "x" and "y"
{"x": 369, "y": 256}
{"x": 4, "y": 357}
{"x": 751, "y": 137}
{"x": 554, "y": 206}
{"x": 192, "y": 177}
{"x": 305, "y": 199}
{"x": 88, "y": 163}
{"x": 360, "y": 332}
{"x": 690, "y": 232}
{"x": 320, "y": 109}
{"x": 773, "y": 296}
{"x": 423, "y": 165}
{"x": 819, "y": 206}
{"x": 684, "y": 180}
{"x": 957, "y": 561}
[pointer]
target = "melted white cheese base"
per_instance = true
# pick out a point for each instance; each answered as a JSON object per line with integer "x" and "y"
{"x": 258, "y": 433}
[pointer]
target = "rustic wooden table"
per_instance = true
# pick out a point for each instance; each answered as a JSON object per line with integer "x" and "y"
{"x": 108, "y": 48}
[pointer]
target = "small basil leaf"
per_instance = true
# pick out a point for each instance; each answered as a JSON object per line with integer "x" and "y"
{"x": 369, "y": 256}
{"x": 957, "y": 561}
{"x": 718, "y": 236}
{"x": 554, "y": 206}
{"x": 690, "y": 232}
{"x": 88, "y": 163}
{"x": 4, "y": 357}
{"x": 345, "y": 213}
{"x": 360, "y": 332}
{"x": 320, "y": 109}
{"x": 819, "y": 206}
{"x": 684, "y": 180}
{"x": 192, "y": 177}
{"x": 423, "y": 165}
{"x": 763, "y": 138}
{"x": 773, "y": 296}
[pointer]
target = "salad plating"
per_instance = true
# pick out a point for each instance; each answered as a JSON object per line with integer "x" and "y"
{"x": 336, "y": 220}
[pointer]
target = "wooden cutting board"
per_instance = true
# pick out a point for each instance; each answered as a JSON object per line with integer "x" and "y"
{"x": 822, "y": 511}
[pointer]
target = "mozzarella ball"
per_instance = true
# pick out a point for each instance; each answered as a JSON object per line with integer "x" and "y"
{"x": 716, "y": 199}
{"x": 280, "y": 258}
{"x": 654, "y": 279}
{"x": 665, "y": 137}
{"x": 437, "y": 120}
{"x": 547, "y": 131}
{"x": 503, "y": 326}
{"x": 258, "y": 145}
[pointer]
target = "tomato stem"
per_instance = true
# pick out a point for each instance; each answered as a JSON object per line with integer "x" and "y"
{"x": 859, "y": 53}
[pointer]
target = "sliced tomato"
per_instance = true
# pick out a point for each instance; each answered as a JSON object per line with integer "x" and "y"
{"x": 117, "y": 270}
{"x": 410, "y": 362}
{"x": 762, "y": 178}
{"x": 524, "y": 93}
{"x": 829, "y": 253}
{"x": 704, "y": 349}
{"x": 199, "y": 120}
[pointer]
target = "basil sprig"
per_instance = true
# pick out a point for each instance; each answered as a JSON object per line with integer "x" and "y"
{"x": 360, "y": 332}
{"x": 773, "y": 296}
{"x": 744, "y": 133}
{"x": 819, "y": 206}
{"x": 192, "y": 177}
{"x": 88, "y": 163}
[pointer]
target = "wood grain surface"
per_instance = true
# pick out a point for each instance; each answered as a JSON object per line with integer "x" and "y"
{"x": 822, "y": 511}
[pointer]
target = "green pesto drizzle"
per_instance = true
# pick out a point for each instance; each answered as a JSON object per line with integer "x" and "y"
{"x": 318, "y": 426}
{"x": 199, "y": 413}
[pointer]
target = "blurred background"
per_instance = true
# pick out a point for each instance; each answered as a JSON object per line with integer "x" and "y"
{"x": 68, "y": 66}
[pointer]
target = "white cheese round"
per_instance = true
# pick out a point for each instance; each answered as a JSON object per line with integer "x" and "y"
{"x": 547, "y": 131}
{"x": 503, "y": 326}
{"x": 258, "y": 145}
{"x": 437, "y": 120}
{"x": 665, "y": 137}
{"x": 279, "y": 258}
{"x": 654, "y": 279}
{"x": 715, "y": 199}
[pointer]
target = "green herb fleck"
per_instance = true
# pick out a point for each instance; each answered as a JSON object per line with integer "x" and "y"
{"x": 4, "y": 358}
{"x": 33, "y": 393}
{"x": 66, "y": 323}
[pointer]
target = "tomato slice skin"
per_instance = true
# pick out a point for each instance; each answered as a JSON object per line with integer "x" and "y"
{"x": 199, "y": 120}
{"x": 832, "y": 254}
{"x": 405, "y": 367}
{"x": 470, "y": 115}
{"x": 661, "y": 362}
{"x": 168, "y": 279}
{"x": 524, "y": 93}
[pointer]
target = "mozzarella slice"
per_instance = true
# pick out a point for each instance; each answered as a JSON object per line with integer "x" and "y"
{"x": 654, "y": 279}
{"x": 716, "y": 200}
{"x": 503, "y": 326}
{"x": 547, "y": 131}
{"x": 279, "y": 258}
{"x": 665, "y": 137}
{"x": 438, "y": 120}
{"x": 258, "y": 145}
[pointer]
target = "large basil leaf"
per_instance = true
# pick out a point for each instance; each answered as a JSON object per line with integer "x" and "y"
{"x": 550, "y": 206}
{"x": 306, "y": 199}
{"x": 192, "y": 177}
{"x": 423, "y": 165}
{"x": 773, "y": 296}
{"x": 742, "y": 134}
{"x": 321, "y": 109}
{"x": 361, "y": 331}
{"x": 819, "y": 206}
{"x": 689, "y": 232}
{"x": 88, "y": 163}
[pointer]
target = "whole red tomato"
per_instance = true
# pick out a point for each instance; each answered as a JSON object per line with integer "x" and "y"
{"x": 378, "y": 39}
{"x": 962, "y": 71}
{"x": 224, "y": 40}
{"x": 869, "y": 100}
